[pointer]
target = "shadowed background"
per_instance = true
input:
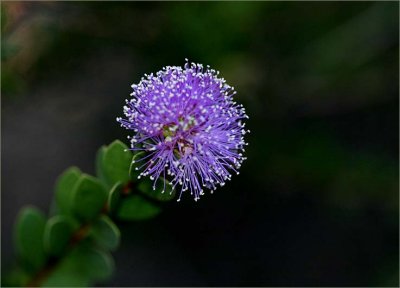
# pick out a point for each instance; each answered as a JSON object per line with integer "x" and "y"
{"x": 316, "y": 203}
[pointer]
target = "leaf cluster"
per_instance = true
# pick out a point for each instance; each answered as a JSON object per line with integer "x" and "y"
{"x": 72, "y": 246}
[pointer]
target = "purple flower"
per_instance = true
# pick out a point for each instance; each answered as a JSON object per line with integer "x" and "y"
{"x": 189, "y": 125}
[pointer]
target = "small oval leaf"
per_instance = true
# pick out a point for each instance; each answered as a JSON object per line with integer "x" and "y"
{"x": 28, "y": 235}
{"x": 57, "y": 234}
{"x": 89, "y": 197}
{"x": 64, "y": 187}
{"x": 100, "y": 265}
{"x": 116, "y": 163}
{"x": 105, "y": 233}
{"x": 135, "y": 207}
{"x": 94, "y": 263}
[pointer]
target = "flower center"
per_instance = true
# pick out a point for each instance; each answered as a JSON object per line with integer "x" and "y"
{"x": 184, "y": 124}
{"x": 188, "y": 123}
{"x": 169, "y": 131}
{"x": 183, "y": 148}
{"x": 176, "y": 134}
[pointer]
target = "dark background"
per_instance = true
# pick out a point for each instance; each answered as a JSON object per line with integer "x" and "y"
{"x": 316, "y": 203}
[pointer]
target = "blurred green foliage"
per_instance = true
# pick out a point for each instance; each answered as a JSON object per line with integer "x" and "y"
{"x": 71, "y": 247}
{"x": 29, "y": 231}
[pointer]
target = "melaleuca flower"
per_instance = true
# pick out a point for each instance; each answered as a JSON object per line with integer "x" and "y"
{"x": 186, "y": 121}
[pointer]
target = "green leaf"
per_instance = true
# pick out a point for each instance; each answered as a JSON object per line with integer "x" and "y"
{"x": 159, "y": 193}
{"x": 116, "y": 163}
{"x": 81, "y": 267}
{"x": 106, "y": 233}
{"x": 99, "y": 264}
{"x": 62, "y": 277}
{"x": 57, "y": 234}
{"x": 69, "y": 272}
{"x": 99, "y": 163}
{"x": 29, "y": 231}
{"x": 135, "y": 207}
{"x": 133, "y": 173}
{"x": 88, "y": 197}
{"x": 114, "y": 197}
{"x": 64, "y": 188}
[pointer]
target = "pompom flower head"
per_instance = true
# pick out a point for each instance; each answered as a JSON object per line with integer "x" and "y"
{"x": 187, "y": 122}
